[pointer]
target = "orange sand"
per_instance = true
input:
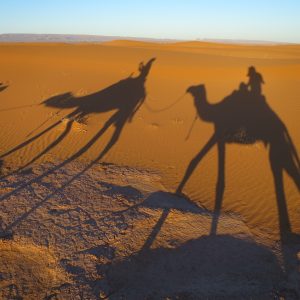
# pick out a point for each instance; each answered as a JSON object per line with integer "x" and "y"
{"x": 156, "y": 140}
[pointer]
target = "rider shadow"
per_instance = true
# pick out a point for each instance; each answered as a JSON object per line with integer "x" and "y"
{"x": 245, "y": 117}
{"x": 125, "y": 97}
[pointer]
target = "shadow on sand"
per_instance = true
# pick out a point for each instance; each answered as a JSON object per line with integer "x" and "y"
{"x": 245, "y": 117}
{"x": 209, "y": 267}
{"x": 215, "y": 263}
{"x": 219, "y": 265}
{"x": 205, "y": 268}
{"x": 125, "y": 97}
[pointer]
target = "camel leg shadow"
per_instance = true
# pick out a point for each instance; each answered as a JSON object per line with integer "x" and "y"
{"x": 277, "y": 170}
{"x": 32, "y": 139}
{"x": 48, "y": 148}
{"x": 29, "y": 141}
{"x": 80, "y": 152}
{"x": 94, "y": 139}
{"x": 61, "y": 137}
{"x": 69, "y": 160}
{"x": 195, "y": 161}
{"x": 155, "y": 231}
{"x": 220, "y": 187}
{"x": 287, "y": 237}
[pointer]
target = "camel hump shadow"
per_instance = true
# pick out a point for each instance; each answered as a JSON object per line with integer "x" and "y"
{"x": 245, "y": 117}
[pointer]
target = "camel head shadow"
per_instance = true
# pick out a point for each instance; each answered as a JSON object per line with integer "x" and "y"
{"x": 244, "y": 117}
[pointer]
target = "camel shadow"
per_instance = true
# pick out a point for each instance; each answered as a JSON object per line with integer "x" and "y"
{"x": 125, "y": 97}
{"x": 244, "y": 117}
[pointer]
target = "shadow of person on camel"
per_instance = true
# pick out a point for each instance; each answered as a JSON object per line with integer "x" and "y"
{"x": 244, "y": 117}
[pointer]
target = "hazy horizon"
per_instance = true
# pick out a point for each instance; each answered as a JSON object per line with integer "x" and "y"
{"x": 73, "y": 38}
{"x": 273, "y": 21}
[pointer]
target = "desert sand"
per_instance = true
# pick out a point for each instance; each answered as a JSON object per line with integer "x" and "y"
{"x": 94, "y": 145}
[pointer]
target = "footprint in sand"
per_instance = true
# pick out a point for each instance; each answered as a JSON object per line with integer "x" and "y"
{"x": 153, "y": 126}
{"x": 80, "y": 93}
{"x": 177, "y": 121}
{"x": 77, "y": 126}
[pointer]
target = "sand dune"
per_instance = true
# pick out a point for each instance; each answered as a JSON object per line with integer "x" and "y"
{"x": 36, "y": 72}
{"x": 81, "y": 103}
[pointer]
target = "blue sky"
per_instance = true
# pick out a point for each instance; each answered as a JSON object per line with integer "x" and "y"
{"x": 268, "y": 20}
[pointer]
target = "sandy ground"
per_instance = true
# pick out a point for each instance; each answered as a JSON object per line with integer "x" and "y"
{"x": 93, "y": 146}
{"x": 114, "y": 232}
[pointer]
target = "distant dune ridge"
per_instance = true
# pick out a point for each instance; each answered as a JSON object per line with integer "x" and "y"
{"x": 96, "y": 138}
{"x": 71, "y": 38}
{"x": 75, "y": 38}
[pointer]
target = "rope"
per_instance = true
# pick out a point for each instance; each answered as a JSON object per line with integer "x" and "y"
{"x": 43, "y": 123}
{"x": 191, "y": 128}
{"x": 165, "y": 108}
{"x": 146, "y": 104}
{"x": 18, "y": 107}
